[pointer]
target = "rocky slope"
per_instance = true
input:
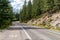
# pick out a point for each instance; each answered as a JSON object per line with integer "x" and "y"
{"x": 53, "y": 20}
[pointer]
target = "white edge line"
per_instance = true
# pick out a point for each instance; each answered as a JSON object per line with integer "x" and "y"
{"x": 27, "y": 34}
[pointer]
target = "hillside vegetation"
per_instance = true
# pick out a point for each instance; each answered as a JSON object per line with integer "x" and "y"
{"x": 40, "y": 12}
{"x": 5, "y": 14}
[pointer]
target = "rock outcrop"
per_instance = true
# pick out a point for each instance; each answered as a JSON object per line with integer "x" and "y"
{"x": 54, "y": 20}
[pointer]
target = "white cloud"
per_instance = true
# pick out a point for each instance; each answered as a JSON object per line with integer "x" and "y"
{"x": 17, "y": 4}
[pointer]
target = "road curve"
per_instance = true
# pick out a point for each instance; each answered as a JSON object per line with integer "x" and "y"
{"x": 20, "y": 31}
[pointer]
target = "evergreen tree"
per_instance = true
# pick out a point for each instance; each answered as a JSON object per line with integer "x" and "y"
{"x": 36, "y": 8}
{"x": 5, "y": 13}
{"x": 29, "y": 10}
{"x": 23, "y": 13}
{"x": 43, "y": 6}
{"x": 50, "y": 6}
{"x": 58, "y": 4}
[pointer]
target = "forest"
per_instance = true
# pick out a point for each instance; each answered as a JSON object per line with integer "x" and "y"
{"x": 33, "y": 9}
{"x": 37, "y": 8}
{"x": 6, "y": 14}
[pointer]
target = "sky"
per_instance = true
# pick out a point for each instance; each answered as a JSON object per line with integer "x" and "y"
{"x": 17, "y": 4}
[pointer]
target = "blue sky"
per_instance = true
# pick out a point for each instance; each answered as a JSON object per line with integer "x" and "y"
{"x": 17, "y": 4}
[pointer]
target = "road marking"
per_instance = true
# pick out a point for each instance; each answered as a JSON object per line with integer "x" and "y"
{"x": 29, "y": 38}
{"x": 13, "y": 36}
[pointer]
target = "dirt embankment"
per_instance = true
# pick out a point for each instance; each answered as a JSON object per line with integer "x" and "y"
{"x": 53, "y": 20}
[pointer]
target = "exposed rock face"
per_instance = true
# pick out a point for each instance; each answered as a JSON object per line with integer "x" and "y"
{"x": 55, "y": 20}
{"x": 29, "y": 22}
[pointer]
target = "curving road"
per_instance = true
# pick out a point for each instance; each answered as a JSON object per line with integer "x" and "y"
{"x": 20, "y": 31}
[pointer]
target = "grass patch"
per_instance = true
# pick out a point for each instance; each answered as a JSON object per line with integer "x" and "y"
{"x": 46, "y": 26}
{"x": 58, "y": 28}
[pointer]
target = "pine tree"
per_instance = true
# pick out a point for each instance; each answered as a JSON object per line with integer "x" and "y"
{"x": 38, "y": 7}
{"x": 50, "y": 6}
{"x": 29, "y": 10}
{"x": 34, "y": 8}
{"x": 43, "y": 6}
{"x": 58, "y": 4}
{"x": 23, "y": 13}
{"x": 36, "y": 11}
{"x": 5, "y": 13}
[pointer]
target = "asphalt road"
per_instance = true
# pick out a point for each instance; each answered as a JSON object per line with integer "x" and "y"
{"x": 20, "y": 31}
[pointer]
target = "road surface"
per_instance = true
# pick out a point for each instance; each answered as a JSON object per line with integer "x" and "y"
{"x": 20, "y": 31}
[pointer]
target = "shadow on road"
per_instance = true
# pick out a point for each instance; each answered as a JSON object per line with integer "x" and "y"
{"x": 19, "y": 28}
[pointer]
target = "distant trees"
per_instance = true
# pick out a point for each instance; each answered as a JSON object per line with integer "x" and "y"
{"x": 5, "y": 14}
{"x": 58, "y": 4}
{"x": 25, "y": 13}
{"x": 29, "y": 10}
{"x": 38, "y": 7}
{"x": 36, "y": 10}
{"x": 15, "y": 17}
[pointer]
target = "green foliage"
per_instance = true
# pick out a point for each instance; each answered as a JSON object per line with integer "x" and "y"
{"x": 37, "y": 8}
{"x": 29, "y": 10}
{"x": 43, "y": 23}
{"x": 58, "y": 28}
{"x": 15, "y": 17}
{"x": 5, "y": 14}
{"x": 25, "y": 13}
